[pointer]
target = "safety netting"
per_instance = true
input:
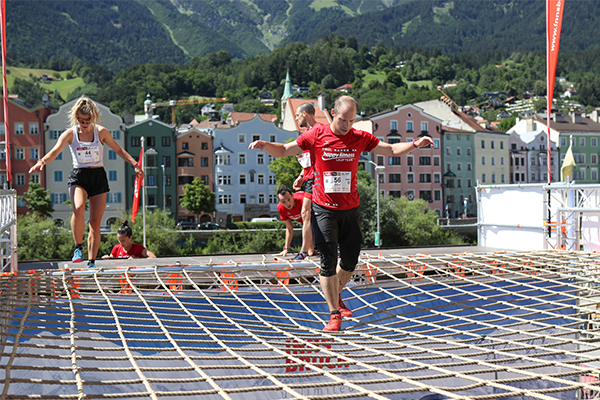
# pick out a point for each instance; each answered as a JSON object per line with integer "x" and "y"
{"x": 493, "y": 325}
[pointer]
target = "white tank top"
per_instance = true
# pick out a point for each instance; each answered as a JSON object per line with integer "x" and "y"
{"x": 86, "y": 154}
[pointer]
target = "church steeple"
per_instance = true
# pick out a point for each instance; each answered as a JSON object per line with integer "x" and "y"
{"x": 287, "y": 88}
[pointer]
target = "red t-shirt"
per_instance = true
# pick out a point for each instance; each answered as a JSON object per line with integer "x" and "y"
{"x": 296, "y": 212}
{"x": 336, "y": 164}
{"x": 307, "y": 159}
{"x": 136, "y": 250}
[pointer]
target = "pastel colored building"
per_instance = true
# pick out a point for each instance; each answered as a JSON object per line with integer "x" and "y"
{"x": 26, "y": 144}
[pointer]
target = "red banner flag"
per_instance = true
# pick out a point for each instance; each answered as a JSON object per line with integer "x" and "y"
{"x": 554, "y": 15}
{"x": 139, "y": 181}
{"x": 5, "y": 92}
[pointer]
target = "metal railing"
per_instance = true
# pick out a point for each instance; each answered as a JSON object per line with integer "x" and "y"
{"x": 8, "y": 230}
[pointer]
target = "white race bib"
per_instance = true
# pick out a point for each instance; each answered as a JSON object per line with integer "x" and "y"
{"x": 337, "y": 182}
{"x": 304, "y": 159}
{"x": 88, "y": 154}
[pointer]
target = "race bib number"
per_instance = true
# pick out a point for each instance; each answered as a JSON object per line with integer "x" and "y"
{"x": 304, "y": 159}
{"x": 337, "y": 182}
{"x": 88, "y": 154}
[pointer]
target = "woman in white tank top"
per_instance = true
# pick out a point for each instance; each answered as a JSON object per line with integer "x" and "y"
{"x": 87, "y": 180}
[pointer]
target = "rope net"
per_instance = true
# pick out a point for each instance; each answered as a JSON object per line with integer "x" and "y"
{"x": 502, "y": 325}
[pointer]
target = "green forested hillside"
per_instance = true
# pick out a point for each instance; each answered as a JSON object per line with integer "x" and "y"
{"x": 117, "y": 34}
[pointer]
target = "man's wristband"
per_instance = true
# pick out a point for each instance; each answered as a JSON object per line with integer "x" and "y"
{"x": 137, "y": 164}
{"x": 415, "y": 146}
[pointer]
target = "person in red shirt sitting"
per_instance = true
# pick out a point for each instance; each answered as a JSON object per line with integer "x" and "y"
{"x": 126, "y": 248}
{"x": 290, "y": 208}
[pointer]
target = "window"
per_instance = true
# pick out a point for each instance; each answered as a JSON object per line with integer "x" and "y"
{"x": 468, "y": 151}
{"x": 166, "y": 141}
{"x": 151, "y": 141}
{"x": 151, "y": 180}
{"x": 242, "y": 159}
{"x": 135, "y": 141}
{"x": 501, "y": 160}
{"x": 594, "y": 159}
{"x": 113, "y": 197}
{"x": 272, "y": 180}
{"x": 252, "y": 176}
{"x": 112, "y": 175}
{"x": 448, "y": 166}
{"x": 594, "y": 142}
{"x": 424, "y": 178}
{"x": 111, "y": 154}
{"x": 394, "y": 161}
{"x": 457, "y": 137}
{"x": 393, "y": 125}
{"x": 242, "y": 179}
{"x": 450, "y": 183}
{"x": 166, "y": 161}
{"x": 34, "y": 178}
{"x": 425, "y": 126}
{"x": 492, "y": 145}
{"x": 204, "y": 179}
{"x": 393, "y": 140}
{"x": 436, "y": 143}
{"x": 21, "y": 179}
{"x": 185, "y": 162}
{"x": 425, "y": 160}
{"x": 34, "y": 153}
{"x": 19, "y": 128}
{"x": 242, "y": 198}
{"x": 204, "y": 161}
{"x": 450, "y": 199}
{"x": 436, "y": 161}
{"x": 167, "y": 180}
{"x": 483, "y": 160}
{"x": 581, "y": 142}
{"x": 150, "y": 161}
{"x": 185, "y": 145}
{"x": 409, "y": 126}
{"x": 458, "y": 151}
{"x": 410, "y": 178}
{"x": 483, "y": 178}
{"x": 436, "y": 178}
{"x": 59, "y": 156}
{"x": 273, "y": 199}
{"x": 513, "y": 146}
{"x": 261, "y": 198}
{"x": 53, "y": 134}
{"x": 260, "y": 159}
{"x": 19, "y": 153}
{"x": 459, "y": 183}
{"x": 493, "y": 160}
{"x": 483, "y": 144}
{"x": 394, "y": 178}
{"x": 34, "y": 128}
{"x": 261, "y": 179}
{"x": 381, "y": 178}
{"x": 255, "y": 138}
{"x": 223, "y": 159}
{"x": 563, "y": 142}
{"x": 204, "y": 145}
{"x": 501, "y": 145}
{"x": 116, "y": 134}
{"x": 58, "y": 176}
{"x": 58, "y": 198}
{"x": 409, "y": 160}
{"x": 272, "y": 138}
{"x": 448, "y": 151}
{"x": 224, "y": 180}
{"x": 184, "y": 180}
{"x": 241, "y": 138}
{"x": 437, "y": 195}
{"x": 425, "y": 194}
{"x": 493, "y": 178}
{"x": 459, "y": 166}
{"x": 395, "y": 193}
{"x": 469, "y": 182}
{"x": 224, "y": 199}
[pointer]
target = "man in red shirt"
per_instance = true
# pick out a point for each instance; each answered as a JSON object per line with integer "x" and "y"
{"x": 290, "y": 209}
{"x": 336, "y": 216}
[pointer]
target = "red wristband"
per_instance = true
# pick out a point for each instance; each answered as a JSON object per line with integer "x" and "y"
{"x": 137, "y": 164}
{"x": 415, "y": 146}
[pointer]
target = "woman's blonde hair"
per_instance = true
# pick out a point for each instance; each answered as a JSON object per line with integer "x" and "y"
{"x": 84, "y": 106}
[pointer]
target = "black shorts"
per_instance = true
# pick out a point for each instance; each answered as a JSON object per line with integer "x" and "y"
{"x": 92, "y": 180}
{"x": 308, "y": 185}
{"x": 331, "y": 226}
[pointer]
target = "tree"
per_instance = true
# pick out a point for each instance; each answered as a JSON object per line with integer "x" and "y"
{"x": 285, "y": 169}
{"x": 198, "y": 198}
{"x": 38, "y": 200}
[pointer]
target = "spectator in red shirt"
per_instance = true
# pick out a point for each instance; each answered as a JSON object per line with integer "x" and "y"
{"x": 126, "y": 248}
{"x": 336, "y": 216}
{"x": 290, "y": 208}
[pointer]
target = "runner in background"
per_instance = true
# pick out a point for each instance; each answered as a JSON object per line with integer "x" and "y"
{"x": 290, "y": 209}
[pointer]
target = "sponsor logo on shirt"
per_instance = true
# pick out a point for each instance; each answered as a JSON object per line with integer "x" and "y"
{"x": 338, "y": 155}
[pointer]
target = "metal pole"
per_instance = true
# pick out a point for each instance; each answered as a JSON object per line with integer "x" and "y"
{"x": 144, "y": 195}
{"x": 378, "y": 240}
{"x": 164, "y": 195}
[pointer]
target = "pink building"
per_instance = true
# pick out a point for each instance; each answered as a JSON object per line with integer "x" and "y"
{"x": 417, "y": 175}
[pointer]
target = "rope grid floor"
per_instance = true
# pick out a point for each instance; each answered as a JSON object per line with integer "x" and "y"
{"x": 501, "y": 325}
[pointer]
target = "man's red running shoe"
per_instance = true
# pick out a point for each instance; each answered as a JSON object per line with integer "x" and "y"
{"x": 345, "y": 311}
{"x": 335, "y": 323}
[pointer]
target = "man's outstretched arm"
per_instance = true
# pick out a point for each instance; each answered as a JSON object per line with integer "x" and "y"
{"x": 276, "y": 149}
